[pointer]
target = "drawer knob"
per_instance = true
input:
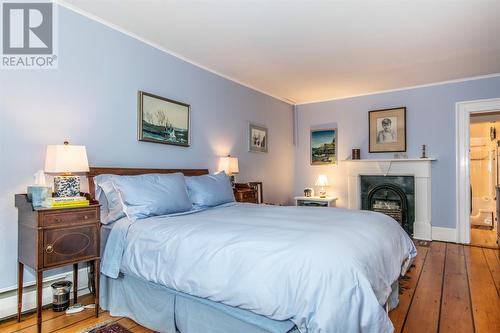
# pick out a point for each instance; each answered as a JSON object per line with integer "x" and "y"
{"x": 85, "y": 217}
{"x": 57, "y": 219}
{"x": 49, "y": 248}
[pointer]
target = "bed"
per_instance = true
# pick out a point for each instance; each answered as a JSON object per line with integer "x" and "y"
{"x": 253, "y": 268}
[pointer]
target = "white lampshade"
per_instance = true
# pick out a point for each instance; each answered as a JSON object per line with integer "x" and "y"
{"x": 322, "y": 180}
{"x": 229, "y": 165}
{"x": 66, "y": 159}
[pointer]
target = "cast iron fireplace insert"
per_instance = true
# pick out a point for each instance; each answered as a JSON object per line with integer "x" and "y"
{"x": 390, "y": 195}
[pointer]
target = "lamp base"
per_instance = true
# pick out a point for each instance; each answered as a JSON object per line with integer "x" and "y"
{"x": 66, "y": 186}
{"x": 322, "y": 193}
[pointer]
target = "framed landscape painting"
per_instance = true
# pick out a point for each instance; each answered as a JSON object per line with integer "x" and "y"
{"x": 324, "y": 146}
{"x": 258, "y": 139}
{"x": 387, "y": 130}
{"x": 162, "y": 120}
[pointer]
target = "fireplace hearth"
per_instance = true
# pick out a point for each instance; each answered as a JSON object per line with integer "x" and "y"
{"x": 391, "y": 195}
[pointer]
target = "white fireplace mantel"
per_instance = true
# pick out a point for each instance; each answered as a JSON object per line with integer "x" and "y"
{"x": 392, "y": 160}
{"x": 420, "y": 169}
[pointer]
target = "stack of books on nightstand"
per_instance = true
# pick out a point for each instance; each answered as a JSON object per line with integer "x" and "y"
{"x": 65, "y": 202}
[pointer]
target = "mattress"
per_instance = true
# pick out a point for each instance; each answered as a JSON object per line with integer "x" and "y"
{"x": 166, "y": 310}
{"x": 325, "y": 270}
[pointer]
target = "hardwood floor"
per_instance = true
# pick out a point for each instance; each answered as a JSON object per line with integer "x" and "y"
{"x": 484, "y": 237}
{"x": 60, "y": 323}
{"x": 452, "y": 288}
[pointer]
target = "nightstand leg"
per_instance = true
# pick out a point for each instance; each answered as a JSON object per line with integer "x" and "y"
{"x": 96, "y": 281}
{"x": 20, "y": 273}
{"x": 39, "y": 287}
{"x": 75, "y": 283}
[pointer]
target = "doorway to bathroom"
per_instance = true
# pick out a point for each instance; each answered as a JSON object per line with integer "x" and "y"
{"x": 484, "y": 153}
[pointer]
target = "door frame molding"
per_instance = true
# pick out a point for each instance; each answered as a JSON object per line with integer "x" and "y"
{"x": 463, "y": 111}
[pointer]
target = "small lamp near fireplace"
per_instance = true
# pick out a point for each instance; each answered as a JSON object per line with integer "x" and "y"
{"x": 322, "y": 182}
{"x": 229, "y": 164}
{"x": 64, "y": 160}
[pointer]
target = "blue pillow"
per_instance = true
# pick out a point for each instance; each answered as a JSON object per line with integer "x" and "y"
{"x": 210, "y": 190}
{"x": 152, "y": 194}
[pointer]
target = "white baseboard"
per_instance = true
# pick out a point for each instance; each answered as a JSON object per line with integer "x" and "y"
{"x": 422, "y": 230}
{"x": 444, "y": 234}
{"x": 8, "y": 304}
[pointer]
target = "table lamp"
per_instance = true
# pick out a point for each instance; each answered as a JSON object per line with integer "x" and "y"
{"x": 229, "y": 165}
{"x": 322, "y": 182}
{"x": 66, "y": 159}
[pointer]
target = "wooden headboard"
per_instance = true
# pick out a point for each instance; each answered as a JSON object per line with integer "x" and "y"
{"x": 95, "y": 171}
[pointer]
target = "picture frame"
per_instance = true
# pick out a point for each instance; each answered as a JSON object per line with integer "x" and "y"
{"x": 163, "y": 120}
{"x": 387, "y": 130}
{"x": 258, "y": 138}
{"x": 324, "y": 146}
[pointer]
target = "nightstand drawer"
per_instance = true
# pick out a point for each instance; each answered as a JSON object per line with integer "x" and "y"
{"x": 69, "y": 244}
{"x": 249, "y": 196}
{"x": 316, "y": 201}
{"x": 245, "y": 195}
{"x": 70, "y": 217}
{"x": 312, "y": 203}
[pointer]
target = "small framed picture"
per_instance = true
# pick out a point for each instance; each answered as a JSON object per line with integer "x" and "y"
{"x": 258, "y": 139}
{"x": 162, "y": 120}
{"x": 387, "y": 130}
{"x": 324, "y": 146}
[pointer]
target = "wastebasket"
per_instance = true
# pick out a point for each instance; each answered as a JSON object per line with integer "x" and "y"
{"x": 60, "y": 293}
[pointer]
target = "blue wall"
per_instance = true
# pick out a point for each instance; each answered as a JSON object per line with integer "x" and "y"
{"x": 430, "y": 120}
{"x": 91, "y": 100}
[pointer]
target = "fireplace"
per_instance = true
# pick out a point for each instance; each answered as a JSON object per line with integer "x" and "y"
{"x": 391, "y": 195}
{"x": 418, "y": 199}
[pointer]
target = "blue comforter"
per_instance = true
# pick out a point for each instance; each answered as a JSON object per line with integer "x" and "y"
{"x": 327, "y": 270}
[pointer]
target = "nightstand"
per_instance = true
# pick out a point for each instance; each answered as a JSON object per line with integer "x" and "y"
{"x": 315, "y": 201}
{"x": 50, "y": 238}
{"x": 245, "y": 193}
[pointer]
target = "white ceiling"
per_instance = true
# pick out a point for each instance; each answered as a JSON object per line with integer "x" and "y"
{"x": 310, "y": 50}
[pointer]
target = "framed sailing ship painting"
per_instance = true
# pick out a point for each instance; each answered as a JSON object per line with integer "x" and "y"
{"x": 162, "y": 120}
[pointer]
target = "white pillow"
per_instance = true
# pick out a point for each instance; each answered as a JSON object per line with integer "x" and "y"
{"x": 111, "y": 208}
{"x": 116, "y": 210}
